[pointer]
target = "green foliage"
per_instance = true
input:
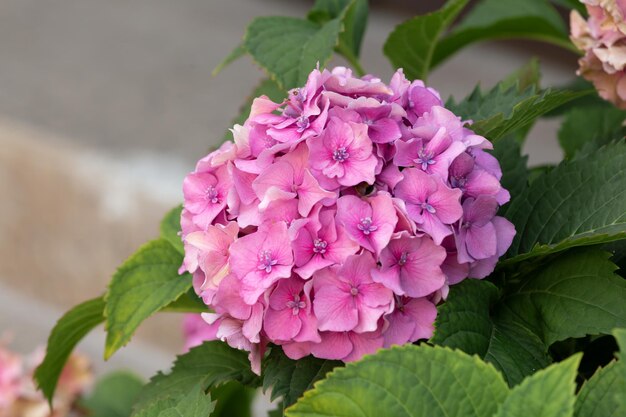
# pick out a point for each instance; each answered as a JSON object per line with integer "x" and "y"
{"x": 289, "y": 48}
{"x": 582, "y": 202}
{"x": 193, "y": 402}
{"x": 232, "y": 400}
{"x": 207, "y": 365}
{"x": 599, "y": 395}
{"x": 574, "y": 294}
{"x": 113, "y": 395}
{"x": 504, "y": 109}
{"x": 170, "y": 228}
{"x": 505, "y": 19}
{"x": 590, "y": 128}
{"x": 412, "y": 44}
{"x": 548, "y": 393}
{"x": 407, "y": 381}
{"x": 65, "y": 335}
{"x": 145, "y": 283}
{"x": 289, "y": 379}
{"x": 514, "y": 172}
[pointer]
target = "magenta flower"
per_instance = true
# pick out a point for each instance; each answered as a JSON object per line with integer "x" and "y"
{"x": 289, "y": 316}
{"x": 260, "y": 259}
{"x": 368, "y": 222}
{"x": 205, "y": 194}
{"x": 505, "y": 231}
{"x": 343, "y": 152}
{"x": 474, "y": 181}
{"x": 197, "y": 331}
{"x": 412, "y": 319}
{"x": 411, "y": 266}
{"x": 319, "y": 242}
{"x": 433, "y": 157}
{"x": 347, "y": 346}
{"x": 476, "y": 236}
{"x": 382, "y": 126}
{"x": 287, "y": 179}
{"x": 346, "y": 297}
{"x": 430, "y": 203}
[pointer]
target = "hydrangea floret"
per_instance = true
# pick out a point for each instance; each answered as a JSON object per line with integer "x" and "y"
{"x": 337, "y": 219}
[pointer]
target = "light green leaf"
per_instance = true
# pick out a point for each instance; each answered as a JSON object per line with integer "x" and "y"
{"x": 208, "y": 365}
{"x": 145, "y": 283}
{"x": 407, "y": 381}
{"x": 170, "y": 228}
{"x": 235, "y": 54}
{"x": 289, "y": 48}
{"x": 467, "y": 321}
{"x": 503, "y": 109}
{"x": 189, "y": 302}
{"x": 65, "y": 335}
{"x": 599, "y": 395}
{"x": 581, "y": 202}
{"x": 194, "y": 404}
{"x": 412, "y": 44}
{"x": 548, "y": 393}
{"x": 289, "y": 379}
{"x": 113, "y": 395}
{"x": 590, "y": 128}
{"x": 268, "y": 88}
{"x": 505, "y": 19}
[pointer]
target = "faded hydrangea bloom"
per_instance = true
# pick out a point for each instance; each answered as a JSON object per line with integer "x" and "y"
{"x": 602, "y": 37}
{"x": 337, "y": 219}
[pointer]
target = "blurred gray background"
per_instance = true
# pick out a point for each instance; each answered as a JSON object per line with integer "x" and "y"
{"x": 105, "y": 105}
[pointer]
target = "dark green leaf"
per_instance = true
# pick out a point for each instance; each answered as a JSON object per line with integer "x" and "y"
{"x": 232, "y": 400}
{"x": 289, "y": 379}
{"x": 412, "y": 44}
{"x": 513, "y": 164}
{"x": 65, "y": 335}
{"x": 548, "y": 393}
{"x": 582, "y": 202}
{"x": 235, "y": 54}
{"x": 189, "y": 302}
{"x": 590, "y": 128}
{"x": 145, "y": 283}
{"x": 407, "y": 381}
{"x": 505, "y": 19}
{"x": 289, "y": 48}
{"x": 113, "y": 395}
{"x": 354, "y": 21}
{"x": 170, "y": 228}
{"x": 209, "y": 364}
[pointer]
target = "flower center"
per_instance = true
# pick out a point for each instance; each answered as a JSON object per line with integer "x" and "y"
{"x": 299, "y": 94}
{"x": 366, "y": 226}
{"x": 354, "y": 291}
{"x": 266, "y": 262}
{"x": 302, "y": 123}
{"x": 319, "y": 246}
{"x": 296, "y": 305}
{"x": 403, "y": 259}
{"x": 211, "y": 195}
{"x": 340, "y": 154}
{"x": 425, "y": 159}
{"x": 428, "y": 207}
{"x": 458, "y": 182}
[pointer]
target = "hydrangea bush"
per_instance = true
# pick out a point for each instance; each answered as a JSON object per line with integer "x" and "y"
{"x": 363, "y": 247}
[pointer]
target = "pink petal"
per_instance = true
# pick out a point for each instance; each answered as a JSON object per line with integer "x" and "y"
{"x": 281, "y": 324}
{"x": 333, "y": 346}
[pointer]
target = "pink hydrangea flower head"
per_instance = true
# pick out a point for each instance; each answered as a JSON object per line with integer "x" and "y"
{"x": 430, "y": 202}
{"x": 339, "y": 218}
{"x": 10, "y": 377}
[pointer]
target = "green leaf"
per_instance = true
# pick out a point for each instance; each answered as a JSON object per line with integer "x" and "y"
{"x": 574, "y": 294}
{"x": 65, "y": 335}
{"x": 467, "y": 321}
{"x": 599, "y": 395}
{"x": 170, "y": 228}
{"x": 412, "y": 44}
{"x": 548, "y": 393}
{"x": 590, "y": 128}
{"x": 581, "y": 202}
{"x": 235, "y": 54}
{"x": 195, "y": 403}
{"x": 354, "y": 14}
{"x": 268, "y": 88}
{"x": 145, "y": 283}
{"x": 503, "y": 109}
{"x": 113, "y": 395}
{"x": 289, "y": 48}
{"x": 189, "y": 302}
{"x": 208, "y": 365}
{"x": 513, "y": 164}
{"x": 289, "y": 379}
{"x": 505, "y": 19}
{"x": 232, "y": 400}
{"x": 407, "y": 381}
